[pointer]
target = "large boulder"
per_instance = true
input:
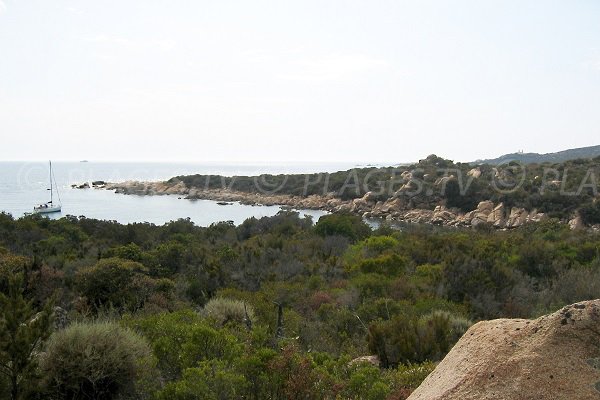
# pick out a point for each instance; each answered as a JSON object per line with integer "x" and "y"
{"x": 576, "y": 223}
{"x": 475, "y": 173}
{"x": 520, "y": 216}
{"x": 485, "y": 207}
{"x": 496, "y": 217}
{"x": 394, "y": 205}
{"x": 517, "y": 217}
{"x": 554, "y": 357}
{"x": 417, "y": 216}
{"x": 373, "y": 360}
{"x": 442, "y": 216}
{"x": 364, "y": 203}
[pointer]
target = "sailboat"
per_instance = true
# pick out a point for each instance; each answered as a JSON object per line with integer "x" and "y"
{"x": 49, "y": 207}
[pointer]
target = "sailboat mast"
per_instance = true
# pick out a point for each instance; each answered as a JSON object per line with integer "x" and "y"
{"x": 50, "y": 182}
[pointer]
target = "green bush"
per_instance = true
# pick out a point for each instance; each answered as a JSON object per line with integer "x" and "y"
{"x": 365, "y": 381}
{"x": 10, "y": 266}
{"x": 99, "y": 360}
{"x": 119, "y": 283}
{"x": 224, "y": 311}
{"x": 378, "y": 244}
{"x": 388, "y": 265}
{"x": 182, "y": 339}
{"x": 371, "y": 286}
{"x": 210, "y": 380}
{"x": 408, "y": 339}
{"x": 590, "y": 213}
{"x": 412, "y": 375}
{"x": 350, "y": 226}
{"x": 167, "y": 333}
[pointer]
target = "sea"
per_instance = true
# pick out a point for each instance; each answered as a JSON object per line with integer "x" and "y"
{"x": 24, "y": 185}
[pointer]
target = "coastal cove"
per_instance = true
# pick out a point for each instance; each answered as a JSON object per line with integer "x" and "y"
{"x": 24, "y": 184}
{"x": 433, "y": 191}
{"x": 372, "y": 211}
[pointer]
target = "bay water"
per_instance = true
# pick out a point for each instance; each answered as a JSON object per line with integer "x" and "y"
{"x": 24, "y": 185}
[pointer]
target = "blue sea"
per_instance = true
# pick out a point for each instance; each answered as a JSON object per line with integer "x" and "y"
{"x": 24, "y": 185}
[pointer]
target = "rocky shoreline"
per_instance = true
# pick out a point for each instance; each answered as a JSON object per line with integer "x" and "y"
{"x": 394, "y": 209}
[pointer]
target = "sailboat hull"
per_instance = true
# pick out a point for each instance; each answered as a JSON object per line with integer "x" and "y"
{"x": 46, "y": 210}
{"x": 49, "y": 207}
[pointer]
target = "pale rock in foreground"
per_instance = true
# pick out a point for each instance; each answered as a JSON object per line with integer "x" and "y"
{"x": 554, "y": 357}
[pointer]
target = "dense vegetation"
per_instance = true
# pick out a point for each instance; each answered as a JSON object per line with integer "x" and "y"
{"x": 557, "y": 189}
{"x": 275, "y": 308}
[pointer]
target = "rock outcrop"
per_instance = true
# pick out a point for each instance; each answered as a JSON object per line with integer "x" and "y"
{"x": 496, "y": 217}
{"x": 554, "y": 357}
{"x": 373, "y": 360}
{"x": 475, "y": 173}
{"x": 576, "y": 223}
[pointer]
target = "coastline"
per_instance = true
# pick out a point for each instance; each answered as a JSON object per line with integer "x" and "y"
{"x": 394, "y": 209}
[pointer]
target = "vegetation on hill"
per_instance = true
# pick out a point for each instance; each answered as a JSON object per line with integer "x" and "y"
{"x": 275, "y": 308}
{"x": 556, "y": 189}
{"x": 557, "y": 157}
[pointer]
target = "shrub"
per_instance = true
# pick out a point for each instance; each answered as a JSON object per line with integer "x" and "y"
{"x": 366, "y": 382}
{"x": 389, "y": 265}
{"x": 319, "y": 298}
{"x": 211, "y": 380}
{"x": 295, "y": 378}
{"x": 371, "y": 286}
{"x": 576, "y": 284}
{"x": 350, "y": 226}
{"x": 408, "y": 339}
{"x": 98, "y": 360}
{"x": 406, "y": 378}
{"x": 590, "y": 213}
{"x": 181, "y": 340}
{"x": 11, "y": 265}
{"x": 454, "y": 198}
{"x": 224, "y": 310}
{"x": 411, "y": 376}
{"x": 167, "y": 333}
{"x": 119, "y": 283}
{"x": 378, "y": 244}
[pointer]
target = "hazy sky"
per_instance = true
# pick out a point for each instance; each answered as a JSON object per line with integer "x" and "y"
{"x": 296, "y": 80}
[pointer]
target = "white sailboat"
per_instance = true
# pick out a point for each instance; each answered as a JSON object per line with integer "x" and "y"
{"x": 49, "y": 207}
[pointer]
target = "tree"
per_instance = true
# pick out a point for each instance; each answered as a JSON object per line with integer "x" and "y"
{"x": 170, "y": 257}
{"x": 22, "y": 332}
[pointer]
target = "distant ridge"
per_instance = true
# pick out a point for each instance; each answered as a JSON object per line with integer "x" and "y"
{"x": 530, "y": 158}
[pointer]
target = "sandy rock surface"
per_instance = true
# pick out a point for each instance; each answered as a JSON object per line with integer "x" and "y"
{"x": 553, "y": 357}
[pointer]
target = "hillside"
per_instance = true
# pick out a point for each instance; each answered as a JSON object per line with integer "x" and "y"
{"x": 558, "y": 157}
{"x": 279, "y": 308}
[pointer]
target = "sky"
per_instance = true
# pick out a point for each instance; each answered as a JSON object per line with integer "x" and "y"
{"x": 315, "y": 81}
